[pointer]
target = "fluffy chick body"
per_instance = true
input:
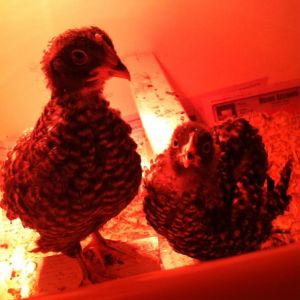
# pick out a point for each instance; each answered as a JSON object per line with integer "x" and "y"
{"x": 76, "y": 170}
{"x": 78, "y": 167}
{"x": 218, "y": 207}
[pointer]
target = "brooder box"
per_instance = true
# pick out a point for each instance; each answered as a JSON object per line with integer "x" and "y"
{"x": 177, "y": 53}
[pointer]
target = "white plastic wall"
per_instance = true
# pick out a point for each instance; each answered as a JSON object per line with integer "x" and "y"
{"x": 202, "y": 44}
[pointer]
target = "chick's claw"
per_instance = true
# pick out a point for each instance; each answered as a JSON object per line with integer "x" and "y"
{"x": 101, "y": 258}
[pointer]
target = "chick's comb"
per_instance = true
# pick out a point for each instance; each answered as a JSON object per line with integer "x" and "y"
{"x": 98, "y": 37}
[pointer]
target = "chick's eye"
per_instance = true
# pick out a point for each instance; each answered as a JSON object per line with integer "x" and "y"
{"x": 206, "y": 147}
{"x": 79, "y": 57}
{"x": 175, "y": 143}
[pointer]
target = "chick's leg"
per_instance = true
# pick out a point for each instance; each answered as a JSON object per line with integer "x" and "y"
{"x": 93, "y": 266}
{"x": 102, "y": 253}
{"x": 86, "y": 277}
{"x": 101, "y": 243}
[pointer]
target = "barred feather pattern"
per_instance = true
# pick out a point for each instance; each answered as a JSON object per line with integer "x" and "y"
{"x": 222, "y": 214}
{"x": 77, "y": 169}
{"x": 245, "y": 149}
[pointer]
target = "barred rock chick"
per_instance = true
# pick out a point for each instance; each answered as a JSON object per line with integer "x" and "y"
{"x": 205, "y": 194}
{"x": 78, "y": 167}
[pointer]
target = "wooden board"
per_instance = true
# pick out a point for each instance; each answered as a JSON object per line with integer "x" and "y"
{"x": 159, "y": 108}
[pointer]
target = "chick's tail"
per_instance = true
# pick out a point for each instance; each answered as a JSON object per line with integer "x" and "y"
{"x": 278, "y": 199}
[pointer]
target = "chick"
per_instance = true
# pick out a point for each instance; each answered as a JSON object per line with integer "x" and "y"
{"x": 205, "y": 194}
{"x": 78, "y": 167}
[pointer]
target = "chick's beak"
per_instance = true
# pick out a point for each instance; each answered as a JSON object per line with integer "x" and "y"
{"x": 188, "y": 155}
{"x": 120, "y": 71}
{"x": 108, "y": 71}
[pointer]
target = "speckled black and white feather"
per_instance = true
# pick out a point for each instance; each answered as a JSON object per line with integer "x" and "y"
{"x": 78, "y": 167}
{"x": 220, "y": 207}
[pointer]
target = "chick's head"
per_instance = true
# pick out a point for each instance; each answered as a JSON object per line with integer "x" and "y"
{"x": 81, "y": 58}
{"x": 191, "y": 146}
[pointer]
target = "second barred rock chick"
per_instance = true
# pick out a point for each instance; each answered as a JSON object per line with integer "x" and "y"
{"x": 78, "y": 167}
{"x": 206, "y": 195}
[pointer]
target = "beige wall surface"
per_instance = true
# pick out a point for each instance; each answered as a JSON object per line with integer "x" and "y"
{"x": 201, "y": 45}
